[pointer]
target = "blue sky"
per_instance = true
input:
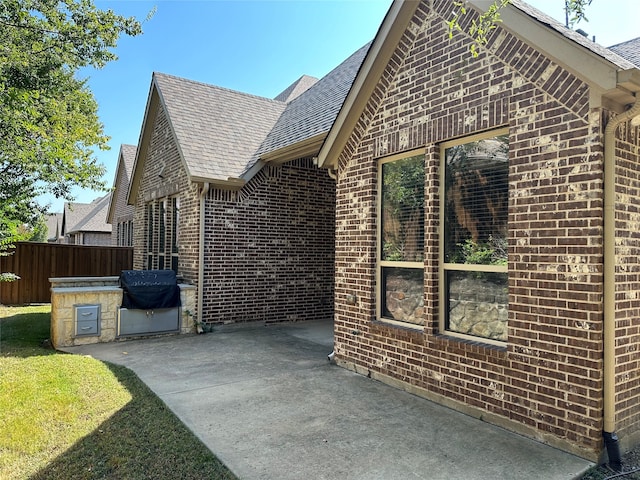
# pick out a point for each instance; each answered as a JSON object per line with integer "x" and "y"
{"x": 259, "y": 47}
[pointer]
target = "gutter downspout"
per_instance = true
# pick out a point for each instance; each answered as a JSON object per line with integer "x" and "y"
{"x": 203, "y": 195}
{"x": 609, "y": 345}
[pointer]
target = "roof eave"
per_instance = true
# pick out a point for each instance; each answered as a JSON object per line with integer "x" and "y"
{"x": 230, "y": 183}
{"x": 384, "y": 44}
{"x": 585, "y": 64}
{"x": 306, "y": 148}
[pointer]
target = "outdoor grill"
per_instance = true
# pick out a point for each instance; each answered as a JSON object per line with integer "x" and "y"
{"x": 150, "y": 302}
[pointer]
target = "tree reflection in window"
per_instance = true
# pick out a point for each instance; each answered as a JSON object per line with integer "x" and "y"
{"x": 476, "y": 182}
{"x": 403, "y": 210}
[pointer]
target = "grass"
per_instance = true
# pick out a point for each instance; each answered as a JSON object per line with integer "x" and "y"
{"x": 73, "y": 417}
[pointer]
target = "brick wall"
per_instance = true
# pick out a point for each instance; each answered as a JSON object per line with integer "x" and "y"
{"x": 627, "y": 267}
{"x": 122, "y": 212}
{"x": 163, "y": 155}
{"x": 546, "y": 381}
{"x": 269, "y": 247}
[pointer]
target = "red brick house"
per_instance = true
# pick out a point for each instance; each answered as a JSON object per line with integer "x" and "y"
{"x": 487, "y": 223}
{"x": 120, "y": 213}
{"x": 226, "y": 193}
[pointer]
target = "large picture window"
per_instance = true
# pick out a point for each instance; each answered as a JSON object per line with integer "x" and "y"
{"x": 401, "y": 240}
{"x": 474, "y": 232}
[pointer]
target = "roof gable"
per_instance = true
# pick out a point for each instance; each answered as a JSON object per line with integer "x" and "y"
{"x": 608, "y": 73}
{"x": 216, "y": 130}
{"x": 86, "y": 217}
{"x": 122, "y": 179}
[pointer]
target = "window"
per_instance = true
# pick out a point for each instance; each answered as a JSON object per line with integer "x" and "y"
{"x": 401, "y": 240}
{"x": 150, "y": 235}
{"x": 162, "y": 234}
{"x": 474, "y": 232}
{"x": 175, "y": 219}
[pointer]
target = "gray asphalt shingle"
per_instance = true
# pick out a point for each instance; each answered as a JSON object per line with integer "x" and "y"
{"x": 296, "y": 89}
{"x": 314, "y": 111}
{"x": 551, "y": 22}
{"x": 88, "y": 217}
{"x": 217, "y": 129}
{"x": 629, "y": 50}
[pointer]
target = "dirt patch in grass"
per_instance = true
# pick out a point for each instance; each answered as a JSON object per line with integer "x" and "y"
{"x": 74, "y": 417}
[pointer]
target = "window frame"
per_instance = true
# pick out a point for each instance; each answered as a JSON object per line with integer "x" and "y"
{"x": 149, "y": 232}
{"x": 443, "y": 266}
{"x": 162, "y": 234}
{"x": 175, "y": 231}
{"x": 380, "y": 263}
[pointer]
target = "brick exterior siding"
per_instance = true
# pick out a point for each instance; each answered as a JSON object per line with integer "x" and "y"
{"x": 627, "y": 280}
{"x": 122, "y": 212}
{"x": 547, "y": 382}
{"x": 268, "y": 247}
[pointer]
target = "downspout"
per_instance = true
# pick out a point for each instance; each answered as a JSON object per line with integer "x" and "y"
{"x": 609, "y": 346}
{"x": 203, "y": 195}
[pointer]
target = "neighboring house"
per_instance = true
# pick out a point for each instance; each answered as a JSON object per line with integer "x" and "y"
{"x": 86, "y": 223}
{"x": 227, "y": 194}
{"x": 120, "y": 213}
{"x": 487, "y": 219}
{"x": 54, "y": 225}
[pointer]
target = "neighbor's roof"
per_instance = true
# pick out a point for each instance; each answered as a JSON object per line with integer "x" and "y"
{"x": 88, "y": 217}
{"x": 54, "y": 221}
{"x": 128, "y": 155}
{"x": 629, "y": 50}
{"x": 217, "y": 130}
{"x": 126, "y": 160}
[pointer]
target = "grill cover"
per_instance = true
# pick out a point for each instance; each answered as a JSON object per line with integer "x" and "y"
{"x": 149, "y": 289}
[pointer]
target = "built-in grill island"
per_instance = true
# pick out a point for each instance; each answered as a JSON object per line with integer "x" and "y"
{"x": 105, "y": 309}
{"x": 150, "y": 302}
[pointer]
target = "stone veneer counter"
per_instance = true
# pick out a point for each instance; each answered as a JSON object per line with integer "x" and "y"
{"x": 105, "y": 296}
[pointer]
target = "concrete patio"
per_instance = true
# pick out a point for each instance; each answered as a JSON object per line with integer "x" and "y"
{"x": 267, "y": 402}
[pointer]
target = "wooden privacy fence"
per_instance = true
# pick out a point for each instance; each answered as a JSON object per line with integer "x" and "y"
{"x": 35, "y": 263}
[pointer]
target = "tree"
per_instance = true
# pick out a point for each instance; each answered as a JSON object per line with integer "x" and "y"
{"x": 49, "y": 123}
{"x": 480, "y": 27}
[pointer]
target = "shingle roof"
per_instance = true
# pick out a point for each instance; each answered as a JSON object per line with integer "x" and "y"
{"x": 217, "y": 129}
{"x": 88, "y": 217}
{"x": 314, "y": 111}
{"x": 126, "y": 162}
{"x": 54, "y": 221}
{"x": 629, "y": 50}
{"x": 596, "y": 48}
{"x": 296, "y": 89}
{"x": 129, "y": 156}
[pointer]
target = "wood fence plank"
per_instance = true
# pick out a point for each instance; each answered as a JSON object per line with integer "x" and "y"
{"x": 35, "y": 263}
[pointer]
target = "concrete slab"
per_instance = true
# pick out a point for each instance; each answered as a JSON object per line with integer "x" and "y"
{"x": 267, "y": 402}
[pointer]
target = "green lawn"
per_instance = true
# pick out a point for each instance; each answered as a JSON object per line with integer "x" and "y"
{"x": 73, "y": 417}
